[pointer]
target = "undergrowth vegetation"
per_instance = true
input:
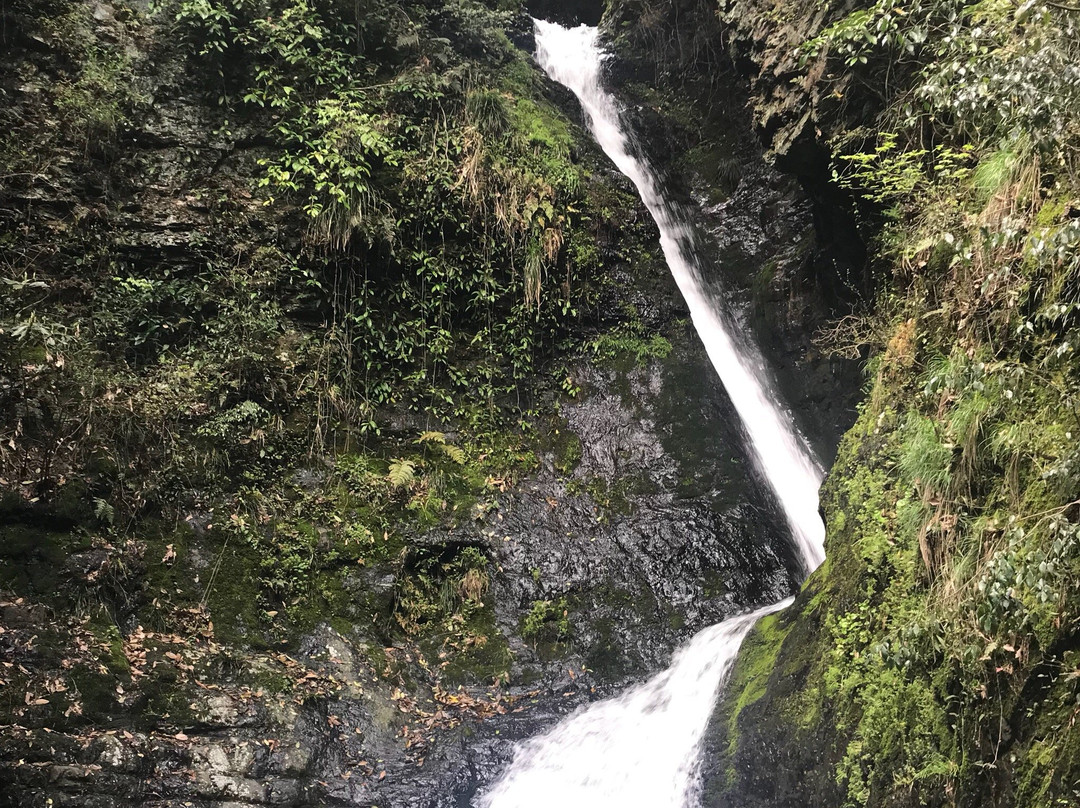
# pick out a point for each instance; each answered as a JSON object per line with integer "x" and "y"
{"x": 950, "y": 597}
{"x": 286, "y": 283}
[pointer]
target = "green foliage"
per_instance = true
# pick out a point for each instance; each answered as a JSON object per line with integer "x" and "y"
{"x": 445, "y": 254}
{"x": 949, "y": 559}
{"x": 1024, "y": 581}
{"x": 884, "y": 25}
{"x": 438, "y": 440}
{"x": 445, "y": 591}
{"x": 567, "y": 450}
{"x": 89, "y": 91}
{"x": 628, "y": 341}
{"x": 396, "y": 157}
{"x": 749, "y": 677}
{"x": 402, "y": 473}
{"x": 415, "y": 243}
{"x": 889, "y": 174}
{"x": 330, "y": 151}
{"x": 547, "y": 621}
{"x": 925, "y": 461}
{"x": 488, "y": 111}
{"x": 99, "y": 99}
{"x": 994, "y": 172}
{"x": 964, "y": 68}
{"x": 930, "y": 659}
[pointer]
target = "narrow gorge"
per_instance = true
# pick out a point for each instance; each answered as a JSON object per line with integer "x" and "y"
{"x": 500, "y": 404}
{"x": 643, "y": 747}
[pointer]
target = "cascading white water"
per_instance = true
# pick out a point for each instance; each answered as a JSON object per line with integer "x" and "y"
{"x": 642, "y": 748}
{"x": 639, "y": 749}
{"x": 573, "y": 58}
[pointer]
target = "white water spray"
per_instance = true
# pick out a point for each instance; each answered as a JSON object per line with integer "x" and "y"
{"x": 573, "y": 58}
{"x": 643, "y": 747}
{"x": 639, "y": 749}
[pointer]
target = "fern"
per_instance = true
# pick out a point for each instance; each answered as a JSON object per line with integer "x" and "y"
{"x": 402, "y": 473}
{"x": 104, "y": 511}
{"x": 455, "y": 453}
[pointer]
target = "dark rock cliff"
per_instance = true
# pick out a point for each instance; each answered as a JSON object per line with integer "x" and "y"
{"x": 782, "y": 241}
{"x": 163, "y": 657}
{"x": 567, "y": 12}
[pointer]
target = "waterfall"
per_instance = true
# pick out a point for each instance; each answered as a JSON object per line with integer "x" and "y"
{"x": 639, "y": 749}
{"x": 642, "y": 748}
{"x": 573, "y": 58}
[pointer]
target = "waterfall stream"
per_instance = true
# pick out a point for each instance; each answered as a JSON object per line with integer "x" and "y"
{"x": 639, "y": 749}
{"x": 642, "y": 748}
{"x": 573, "y": 58}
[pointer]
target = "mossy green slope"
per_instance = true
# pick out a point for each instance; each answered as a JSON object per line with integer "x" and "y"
{"x": 932, "y": 659}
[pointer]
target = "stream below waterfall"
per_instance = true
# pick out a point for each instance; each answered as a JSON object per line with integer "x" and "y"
{"x": 642, "y": 747}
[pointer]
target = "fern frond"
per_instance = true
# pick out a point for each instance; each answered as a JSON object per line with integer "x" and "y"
{"x": 402, "y": 473}
{"x": 455, "y": 453}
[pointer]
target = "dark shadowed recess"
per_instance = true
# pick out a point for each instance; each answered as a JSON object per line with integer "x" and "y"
{"x": 567, "y": 12}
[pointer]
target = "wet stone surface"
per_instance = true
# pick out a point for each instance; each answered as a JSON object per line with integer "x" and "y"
{"x": 642, "y": 546}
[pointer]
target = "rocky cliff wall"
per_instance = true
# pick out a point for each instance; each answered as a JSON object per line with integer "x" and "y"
{"x": 259, "y": 543}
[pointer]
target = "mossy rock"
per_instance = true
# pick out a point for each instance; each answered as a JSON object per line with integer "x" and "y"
{"x": 32, "y": 560}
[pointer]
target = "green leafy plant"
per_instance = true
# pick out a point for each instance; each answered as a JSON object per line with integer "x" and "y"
{"x": 402, "y": 473}
{"x": 547, "y": 621}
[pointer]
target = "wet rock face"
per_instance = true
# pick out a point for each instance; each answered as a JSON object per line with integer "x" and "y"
{"x": 644, "y": 518}
{"x": 779, "y": 253}
{"x": 718, "y": 104}
{"x": 646, "y": 547}
{"x": 795, "y": 114}
{"x": 644, "y": 542}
